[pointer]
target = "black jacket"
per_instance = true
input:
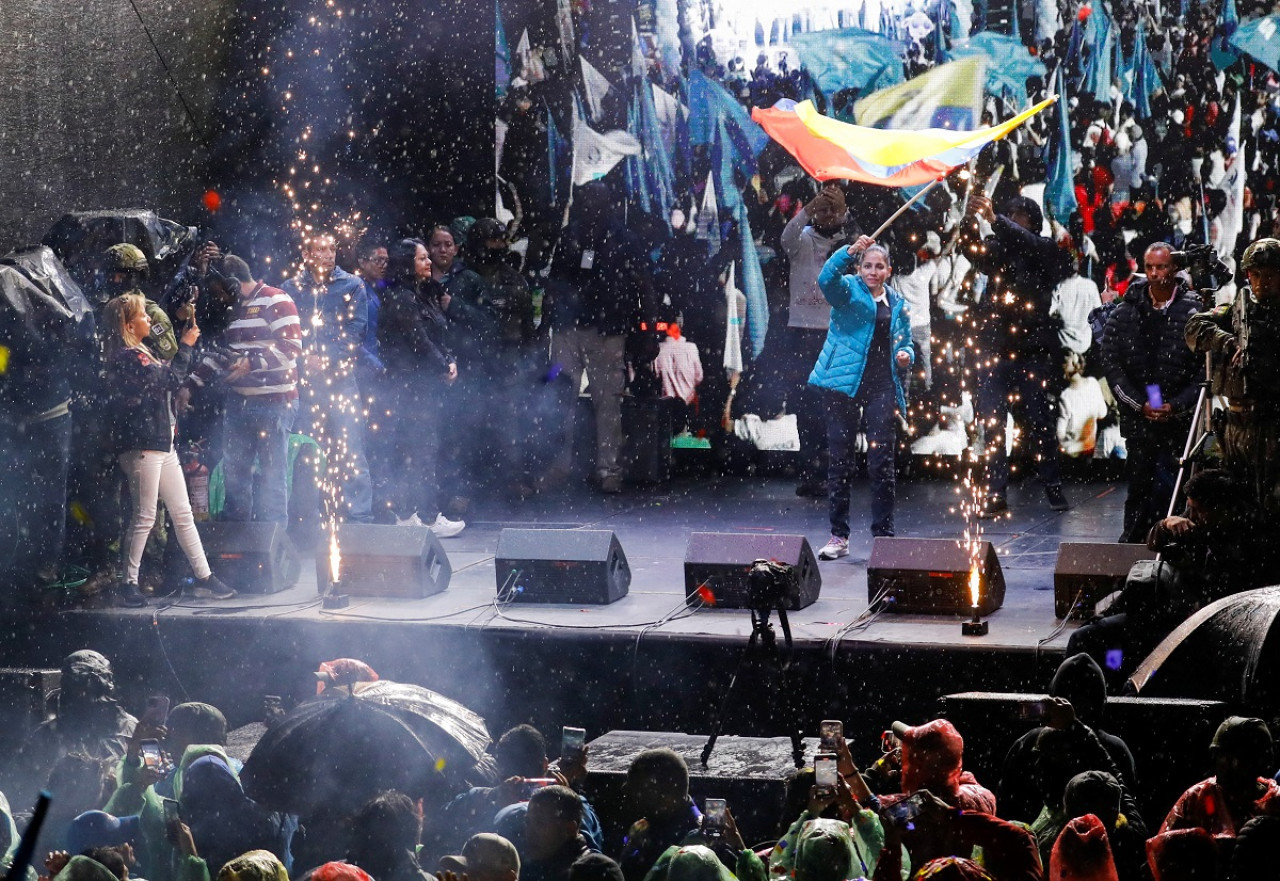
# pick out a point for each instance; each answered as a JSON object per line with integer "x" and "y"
{"x": 608, "y": 287}
{"x": 1143, "y": 346}
{"x": 412, "y": 330}
{"x": 141, "y": 391}
{"x": 1023, "y": 268}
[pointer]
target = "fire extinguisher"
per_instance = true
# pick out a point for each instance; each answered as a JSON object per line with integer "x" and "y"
{"x": 197, "y": 483}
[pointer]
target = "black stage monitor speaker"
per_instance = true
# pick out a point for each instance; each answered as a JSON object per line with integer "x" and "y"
{"x": 251, "y": 557}
{"x": 930, "y": 576}
{"x": 561, "y": 566}
{"x": 1087, "y": 571}
{"x": 721, "y": 561}
{"x": 385, "y": 561}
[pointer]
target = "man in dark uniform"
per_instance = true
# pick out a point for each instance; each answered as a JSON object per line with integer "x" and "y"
{"x": 1019, "y": 357}
{"x": 1155, "y": 380}
{"x": 1245, "y": 338}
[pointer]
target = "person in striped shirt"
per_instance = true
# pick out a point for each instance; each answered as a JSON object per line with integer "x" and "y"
{"x": 265, "y": 340}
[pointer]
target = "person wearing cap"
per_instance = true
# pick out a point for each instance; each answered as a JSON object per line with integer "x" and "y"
{"x": 932, "y": 758}
{"x": 99, "y": 829}
{"x": 1240, "y": 789}
{"x": 485, "y": 857}
{"x": 1244, "y": 338}
{"x": 1019, "y": 355}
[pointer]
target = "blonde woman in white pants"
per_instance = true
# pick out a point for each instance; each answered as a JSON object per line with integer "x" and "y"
{"x": 142, "y": 386}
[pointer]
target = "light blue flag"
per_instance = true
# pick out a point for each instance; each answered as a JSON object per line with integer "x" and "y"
{"x": 709, "y": 103}
{"x": 1098, "y": 37}
{"x": 1059, "y": 190}
{"x": 1260, "y": 39}
{"x": 849, "y": 58}
{"x": 1221, "y": 53}
{"x": 502, "y": 56}
{"x": 649, "y": 176}
{"x": 729, "y": 196}
{"x": 1009, "y": 64}
{"x": 1146, "y": 79}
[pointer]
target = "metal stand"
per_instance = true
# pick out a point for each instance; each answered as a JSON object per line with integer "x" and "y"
{"x": 762, "y": 653}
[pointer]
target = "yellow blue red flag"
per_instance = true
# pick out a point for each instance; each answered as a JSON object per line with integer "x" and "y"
{"x": 829, "y": 149}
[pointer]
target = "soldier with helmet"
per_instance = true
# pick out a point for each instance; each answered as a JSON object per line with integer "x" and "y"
{"x": 1244, "y": 337}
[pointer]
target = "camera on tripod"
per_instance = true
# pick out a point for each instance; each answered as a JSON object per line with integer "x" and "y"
{"x": 1208, "y": 272}
{"x": 771, "y": 585}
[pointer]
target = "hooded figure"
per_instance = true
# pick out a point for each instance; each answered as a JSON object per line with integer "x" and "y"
{"x": 933, "y": 759}
{"x": 1082, "y": 852}
{"x": 224, "y": 821}
{"x": 1080, "y": 680}
{"x": 952, "y": 869}
{"x": 697, "y": 862}
{"x": 81, "y": 868}
{"x": 814, "y": 847}
{"x": 89, "y": 722}
{"x": 256, "y": 865}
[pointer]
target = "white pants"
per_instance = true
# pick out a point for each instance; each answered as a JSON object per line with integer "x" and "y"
{"x": 155, "y": 475}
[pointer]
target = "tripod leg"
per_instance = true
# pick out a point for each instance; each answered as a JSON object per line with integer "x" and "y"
{"x": 718, "y": 722}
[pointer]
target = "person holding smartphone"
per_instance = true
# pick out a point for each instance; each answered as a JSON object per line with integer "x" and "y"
{"x": 142, "y": 388}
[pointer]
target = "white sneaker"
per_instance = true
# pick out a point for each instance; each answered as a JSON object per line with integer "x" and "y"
{"x": 411, "y": 520}
{"x": 446, "y": 528}
{"x": 835, "y": 548}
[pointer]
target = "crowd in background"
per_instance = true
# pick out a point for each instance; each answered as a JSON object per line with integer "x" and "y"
{"x": 163, "y": 797}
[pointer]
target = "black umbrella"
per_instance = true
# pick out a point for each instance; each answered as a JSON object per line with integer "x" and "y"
{"x": 342, "y": 748}
{"x": 1227, "y": 651}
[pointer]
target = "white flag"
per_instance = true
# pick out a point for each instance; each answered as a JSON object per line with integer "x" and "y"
{"x": 595, "y": 87}
{"x": 1232, "y": 183}
{"x": 531, "y": 67}
{"x": 595, "y": 154}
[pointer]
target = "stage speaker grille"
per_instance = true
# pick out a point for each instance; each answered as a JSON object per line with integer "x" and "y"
{"x": 572, "y": 566}
{"x": 1092, "y": 570}
{"x": 930, "y": 576}
{"x": 722, "y": 562}
{"x": 386, "y": 561}
{"x": 251, "y": 557}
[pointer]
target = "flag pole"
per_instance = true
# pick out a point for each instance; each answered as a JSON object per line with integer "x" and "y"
{"x": 916, "y": 198}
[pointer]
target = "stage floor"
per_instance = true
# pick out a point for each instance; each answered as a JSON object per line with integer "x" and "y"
{"x": 653, "y": 526}
{"x": 645, "y": 662}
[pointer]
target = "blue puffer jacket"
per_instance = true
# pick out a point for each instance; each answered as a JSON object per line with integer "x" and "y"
{"x": 853, "y": 320}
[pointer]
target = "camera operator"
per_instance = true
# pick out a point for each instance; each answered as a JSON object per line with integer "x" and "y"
{"x": 1216, "y": 548}
{"x": 1245, "y": 338}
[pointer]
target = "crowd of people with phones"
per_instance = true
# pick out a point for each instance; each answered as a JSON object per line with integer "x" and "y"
{"x": 161, "y": 797}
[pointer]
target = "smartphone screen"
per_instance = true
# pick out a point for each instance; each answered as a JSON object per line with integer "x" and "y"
{"x": 824, "y": 771}
{"x": 715, "y": 809}
{"x": 830, "y": 733}
{"x": 151, "y": 755}
{"x": 572, "y": 742}
{"x": 157, "y": 712}
{"x": 170, "y": 811}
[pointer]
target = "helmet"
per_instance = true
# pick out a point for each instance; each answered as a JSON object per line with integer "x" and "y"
{"x": 1264, "y": 253}
{"x": 483, "y": 230}
{"x": 125, "y": 257}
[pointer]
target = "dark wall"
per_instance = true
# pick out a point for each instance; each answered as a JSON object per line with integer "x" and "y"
{"x": 395, "y": 99}
{"x": 88, "y": 117}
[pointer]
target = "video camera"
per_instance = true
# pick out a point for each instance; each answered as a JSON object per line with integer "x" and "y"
{"x": 771, "y": 585}
{"x": 1208, "y": 272}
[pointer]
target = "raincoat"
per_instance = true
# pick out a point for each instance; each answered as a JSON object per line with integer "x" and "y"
{"x": 256, "y": 865}
{"x": 932, "y": 759}
{"x": 814, "y": 838}
{"x": 1083, "y": 852}
{"x": 697, "y": 862}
